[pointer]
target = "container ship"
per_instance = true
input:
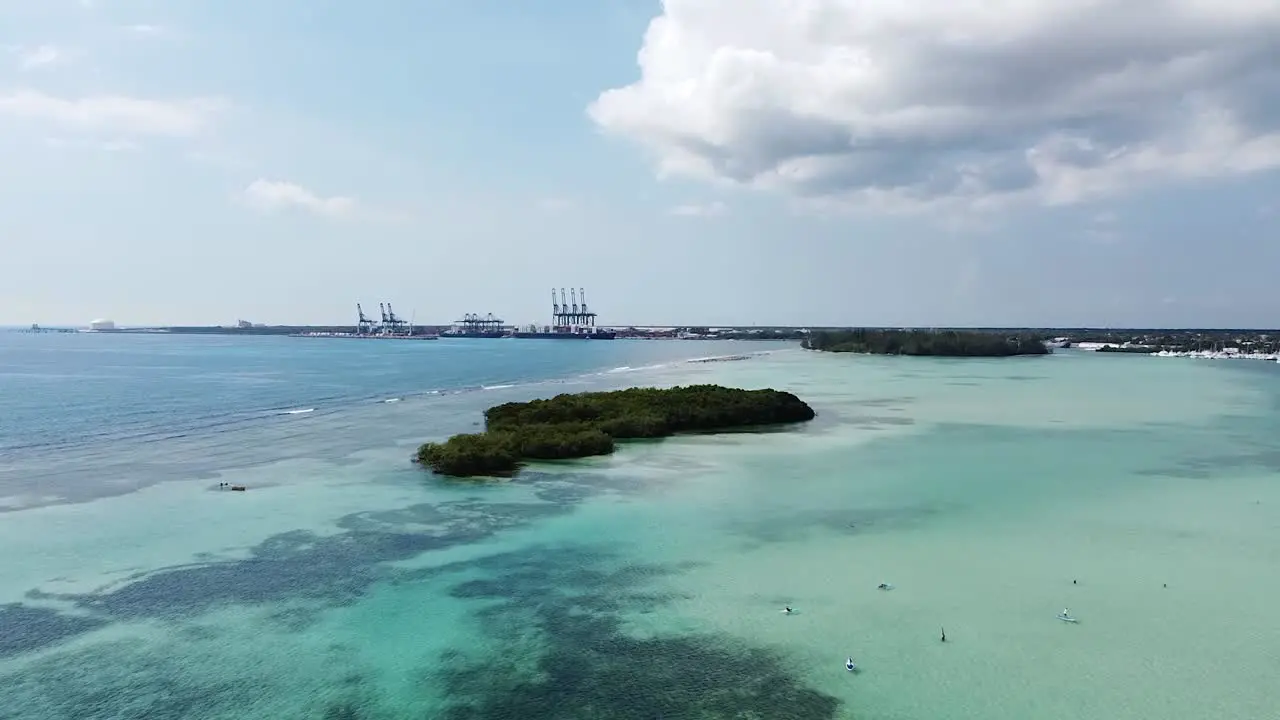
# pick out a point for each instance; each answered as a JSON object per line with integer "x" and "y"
{"x": 566, "y": 334}
{"x": 476, "y": 326}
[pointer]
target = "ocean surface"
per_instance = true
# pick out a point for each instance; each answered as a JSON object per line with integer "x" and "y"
{"x": 346, "y": 584}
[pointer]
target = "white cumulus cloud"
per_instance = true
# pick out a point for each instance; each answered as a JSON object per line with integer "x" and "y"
{"x": 268, "y": 195}
{"x": 113, "y": 113}
{"x": 911, "y": 102}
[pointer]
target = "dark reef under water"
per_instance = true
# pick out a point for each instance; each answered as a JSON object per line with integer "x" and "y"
{"x": 563, "y": 606}
{"x": 589, "y": 667}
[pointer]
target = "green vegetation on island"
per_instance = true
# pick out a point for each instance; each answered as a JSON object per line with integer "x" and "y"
{"x": 940, "y": 343}
{"x": 585, "y": 424}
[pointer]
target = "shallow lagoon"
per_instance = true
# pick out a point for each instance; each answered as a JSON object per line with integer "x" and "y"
{"x": 648, "y": 584}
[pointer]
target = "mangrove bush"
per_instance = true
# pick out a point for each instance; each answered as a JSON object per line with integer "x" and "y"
{"x": 585, "y": 424}
{"x": 941, "y": 343}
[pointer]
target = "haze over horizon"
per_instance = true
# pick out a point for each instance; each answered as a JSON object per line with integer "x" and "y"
{"x": 725, "y": 162}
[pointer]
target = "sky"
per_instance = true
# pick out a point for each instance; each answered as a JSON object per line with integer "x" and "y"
{"x": 827, "y": 162}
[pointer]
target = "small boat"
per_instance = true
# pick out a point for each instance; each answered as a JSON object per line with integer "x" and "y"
{"x": 850, "y": 665}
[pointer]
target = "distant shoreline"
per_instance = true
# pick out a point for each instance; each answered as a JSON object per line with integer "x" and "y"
{"x": 424, "y": 332}
{"x": 1155, "y": 341}
{"x": 927, "y": 343}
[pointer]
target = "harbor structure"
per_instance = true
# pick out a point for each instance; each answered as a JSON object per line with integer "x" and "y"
{"x": 569, "y": 315}
{"x": 474, "y": 325}
{"x": 571, "y": 319}
{"x": 37, "y": 329}
{"x": 389, "y": 325}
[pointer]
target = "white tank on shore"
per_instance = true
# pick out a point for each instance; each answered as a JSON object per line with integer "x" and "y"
{"x": 101, "y": 324}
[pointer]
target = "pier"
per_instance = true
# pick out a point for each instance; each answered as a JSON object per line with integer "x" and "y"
{"x": 36, "y": 329}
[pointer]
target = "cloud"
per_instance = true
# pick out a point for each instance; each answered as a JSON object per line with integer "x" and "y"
{"x": 710, "y": 209}
{"x": 114, "y": 113}
{"x": 903, "y": 103}
{"x": 271, "y": 195}
{"x": 41, "y": 56}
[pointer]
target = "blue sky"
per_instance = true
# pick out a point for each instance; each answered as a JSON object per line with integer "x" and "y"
{"x": 759, "y": 162}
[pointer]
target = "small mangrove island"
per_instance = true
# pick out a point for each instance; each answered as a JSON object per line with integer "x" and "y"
{"x": 584, "y": 424}
{"x": 938, "y": 343}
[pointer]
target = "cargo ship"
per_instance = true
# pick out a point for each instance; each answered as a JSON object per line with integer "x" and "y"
{"x": 474, "y": 334}
{"x": 473, "y": 325}
{"x": 566, "y": 334}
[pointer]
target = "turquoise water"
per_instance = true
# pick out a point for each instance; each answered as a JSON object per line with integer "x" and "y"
{"x": 347, "y": 584}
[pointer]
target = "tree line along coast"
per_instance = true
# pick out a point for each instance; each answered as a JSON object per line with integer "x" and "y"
{"x": 1039, "y": 341}
{"x": 589, "y": 424}
{"x": 570, "y": 426}
{"x": 935, "y": 343}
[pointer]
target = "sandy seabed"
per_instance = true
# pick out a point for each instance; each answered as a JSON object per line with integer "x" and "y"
{"x": 649, "y": 584}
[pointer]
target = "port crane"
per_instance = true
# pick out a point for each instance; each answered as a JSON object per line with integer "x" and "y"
{"x": 365, "y": 325}
{"x": 395, "y": 325}
{"x": 390, "y": 323}
{"x": 571, "y": 312}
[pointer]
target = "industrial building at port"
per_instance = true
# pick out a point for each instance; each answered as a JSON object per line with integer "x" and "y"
{"x": 571, "y": 319}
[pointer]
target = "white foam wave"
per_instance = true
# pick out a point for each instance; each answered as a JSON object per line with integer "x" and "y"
{"x": 718, "y": 358}
{"x": 628, "y": 368}
{"x": 496, "y": 387}
{"x": 299, "y": 411}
